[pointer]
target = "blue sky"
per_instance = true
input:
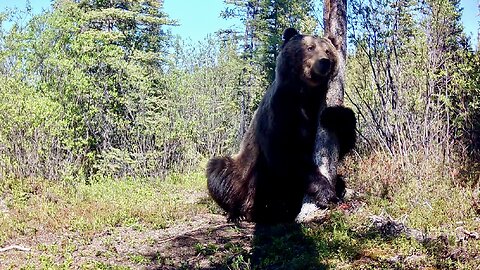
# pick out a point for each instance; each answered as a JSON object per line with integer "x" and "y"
{"x": 198, "y": 18}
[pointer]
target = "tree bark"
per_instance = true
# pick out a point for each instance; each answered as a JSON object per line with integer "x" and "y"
{"x": 335, "y": 26}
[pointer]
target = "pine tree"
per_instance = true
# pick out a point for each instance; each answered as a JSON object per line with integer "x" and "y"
{"x": 104, "y": 62}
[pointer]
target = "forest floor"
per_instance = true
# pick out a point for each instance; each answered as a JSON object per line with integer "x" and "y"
{"x": 173, "y": 224}
{"x": 207, "y": 241}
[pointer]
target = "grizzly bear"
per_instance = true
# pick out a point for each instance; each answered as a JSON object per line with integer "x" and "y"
{"x": 277, "y": 165}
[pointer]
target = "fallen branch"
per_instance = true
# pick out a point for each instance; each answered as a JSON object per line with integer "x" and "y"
{"x": 17, "y": 247}
{"x": 390, "y": 227}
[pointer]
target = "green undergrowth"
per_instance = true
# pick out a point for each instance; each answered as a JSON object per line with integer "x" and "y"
{"x": 423, "y": 192}
{"x": 31, "y": 206}
{"x": 336, "y": 244}
{"x": 343, "y": 243}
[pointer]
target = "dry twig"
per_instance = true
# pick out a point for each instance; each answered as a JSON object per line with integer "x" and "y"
{"x": 17, "y": 247}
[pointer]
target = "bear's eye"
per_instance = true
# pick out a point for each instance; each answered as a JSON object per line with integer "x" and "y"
{"x": 310, "y": 48}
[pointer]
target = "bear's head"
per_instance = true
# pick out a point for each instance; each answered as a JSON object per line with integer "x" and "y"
{"x": 312, "y": 60}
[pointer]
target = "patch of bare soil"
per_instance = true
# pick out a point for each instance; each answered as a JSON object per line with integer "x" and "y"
{"x": 205, "y": 242}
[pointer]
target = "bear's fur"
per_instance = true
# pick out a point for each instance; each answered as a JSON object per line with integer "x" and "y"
{"x": 276, "y": 165}
{"x": 341, "y": 122}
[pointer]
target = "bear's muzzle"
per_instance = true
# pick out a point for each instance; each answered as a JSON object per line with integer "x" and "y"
{"x": 322, "y": 67}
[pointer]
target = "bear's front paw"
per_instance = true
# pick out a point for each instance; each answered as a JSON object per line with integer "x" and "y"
{"x": 321, "y": 191}
{"x": 325, "y": 197}
{"x": 234, "y": 218}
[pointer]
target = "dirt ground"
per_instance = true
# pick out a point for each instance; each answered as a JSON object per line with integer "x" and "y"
{"x": 208, "y": 241}
{"x": 205, "y": 242}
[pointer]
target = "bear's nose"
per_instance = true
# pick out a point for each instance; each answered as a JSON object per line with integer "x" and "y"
{"x": 322, "y": 67}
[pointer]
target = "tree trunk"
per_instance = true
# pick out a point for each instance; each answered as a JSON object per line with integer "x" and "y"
{"x": 335, "y": 25}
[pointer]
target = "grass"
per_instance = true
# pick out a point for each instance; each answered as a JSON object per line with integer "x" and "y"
{"x": 35, "y": 205}
{"x": 424, "y": 192}
{"x": 80, "y": 212}
{"x": 421, "y": 191}
{"x": 427, "y": 194}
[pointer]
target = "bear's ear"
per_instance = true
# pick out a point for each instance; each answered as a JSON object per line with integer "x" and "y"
{"x": 288, "y": 34}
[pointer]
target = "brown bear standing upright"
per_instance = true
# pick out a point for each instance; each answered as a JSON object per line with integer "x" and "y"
{"x": 267, "y": 180}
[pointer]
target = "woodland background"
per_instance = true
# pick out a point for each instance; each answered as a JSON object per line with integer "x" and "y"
{"x": 99, "y": 88}
{"x": 97, "y": 91}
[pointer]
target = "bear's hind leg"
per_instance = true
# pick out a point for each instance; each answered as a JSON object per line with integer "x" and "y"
{"x": 227, "y": 187}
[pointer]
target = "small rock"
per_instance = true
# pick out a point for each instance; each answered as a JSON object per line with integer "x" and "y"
{"x": 3, "y": 206}
{"x": 414, "y": 259}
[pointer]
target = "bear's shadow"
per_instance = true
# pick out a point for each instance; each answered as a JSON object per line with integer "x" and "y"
{"x": 283, "y": 246}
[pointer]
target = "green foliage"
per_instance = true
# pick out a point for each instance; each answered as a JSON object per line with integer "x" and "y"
{"x": 109, "y": 93}
{"x": 31, "y": 127}
{"x": 210, "y": 93}
{"x": 99, "y": 88}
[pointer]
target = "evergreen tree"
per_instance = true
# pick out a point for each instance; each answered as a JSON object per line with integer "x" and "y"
{"x": 106, "y": 58}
